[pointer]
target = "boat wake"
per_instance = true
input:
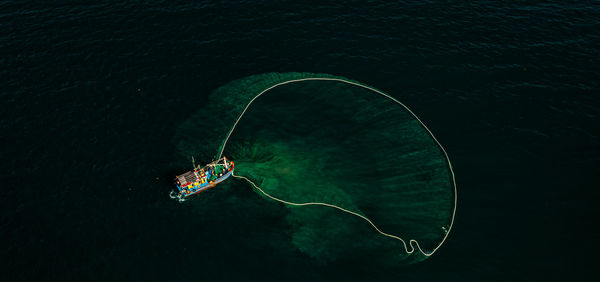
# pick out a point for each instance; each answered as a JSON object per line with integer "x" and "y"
{"x": 178, "y": 196}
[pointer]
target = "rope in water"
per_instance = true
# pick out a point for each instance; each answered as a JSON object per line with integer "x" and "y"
{"x": 412, "y": 249}
{"x": 339, "y": 208}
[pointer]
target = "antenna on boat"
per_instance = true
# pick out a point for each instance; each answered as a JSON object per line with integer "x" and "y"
{"x": 193, "y": 163}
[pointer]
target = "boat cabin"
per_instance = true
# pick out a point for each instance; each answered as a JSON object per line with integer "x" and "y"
{"x": 187, "y": 178}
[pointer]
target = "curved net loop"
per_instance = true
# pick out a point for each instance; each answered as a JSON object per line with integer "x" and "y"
{"x": 346, "y": 158}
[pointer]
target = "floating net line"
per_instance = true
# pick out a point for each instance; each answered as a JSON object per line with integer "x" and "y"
{"x": 413, "y": 244}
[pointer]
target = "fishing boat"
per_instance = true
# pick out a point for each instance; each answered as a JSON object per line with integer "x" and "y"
{"x": 202, "y": 178}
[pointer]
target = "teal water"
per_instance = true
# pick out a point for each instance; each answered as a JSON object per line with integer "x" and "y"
{"x": 93, "y": 98}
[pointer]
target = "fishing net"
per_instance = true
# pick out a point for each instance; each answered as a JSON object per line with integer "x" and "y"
{"x": 382, "y": 185}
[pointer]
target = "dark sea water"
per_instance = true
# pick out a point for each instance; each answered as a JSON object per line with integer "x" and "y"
{"x": 91, "y": 96}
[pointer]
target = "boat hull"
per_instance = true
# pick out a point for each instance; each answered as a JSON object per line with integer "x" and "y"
{"x": 204, "y": 186}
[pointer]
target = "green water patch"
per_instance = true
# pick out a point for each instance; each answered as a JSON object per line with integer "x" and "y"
{"x": 338, "y": 143}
